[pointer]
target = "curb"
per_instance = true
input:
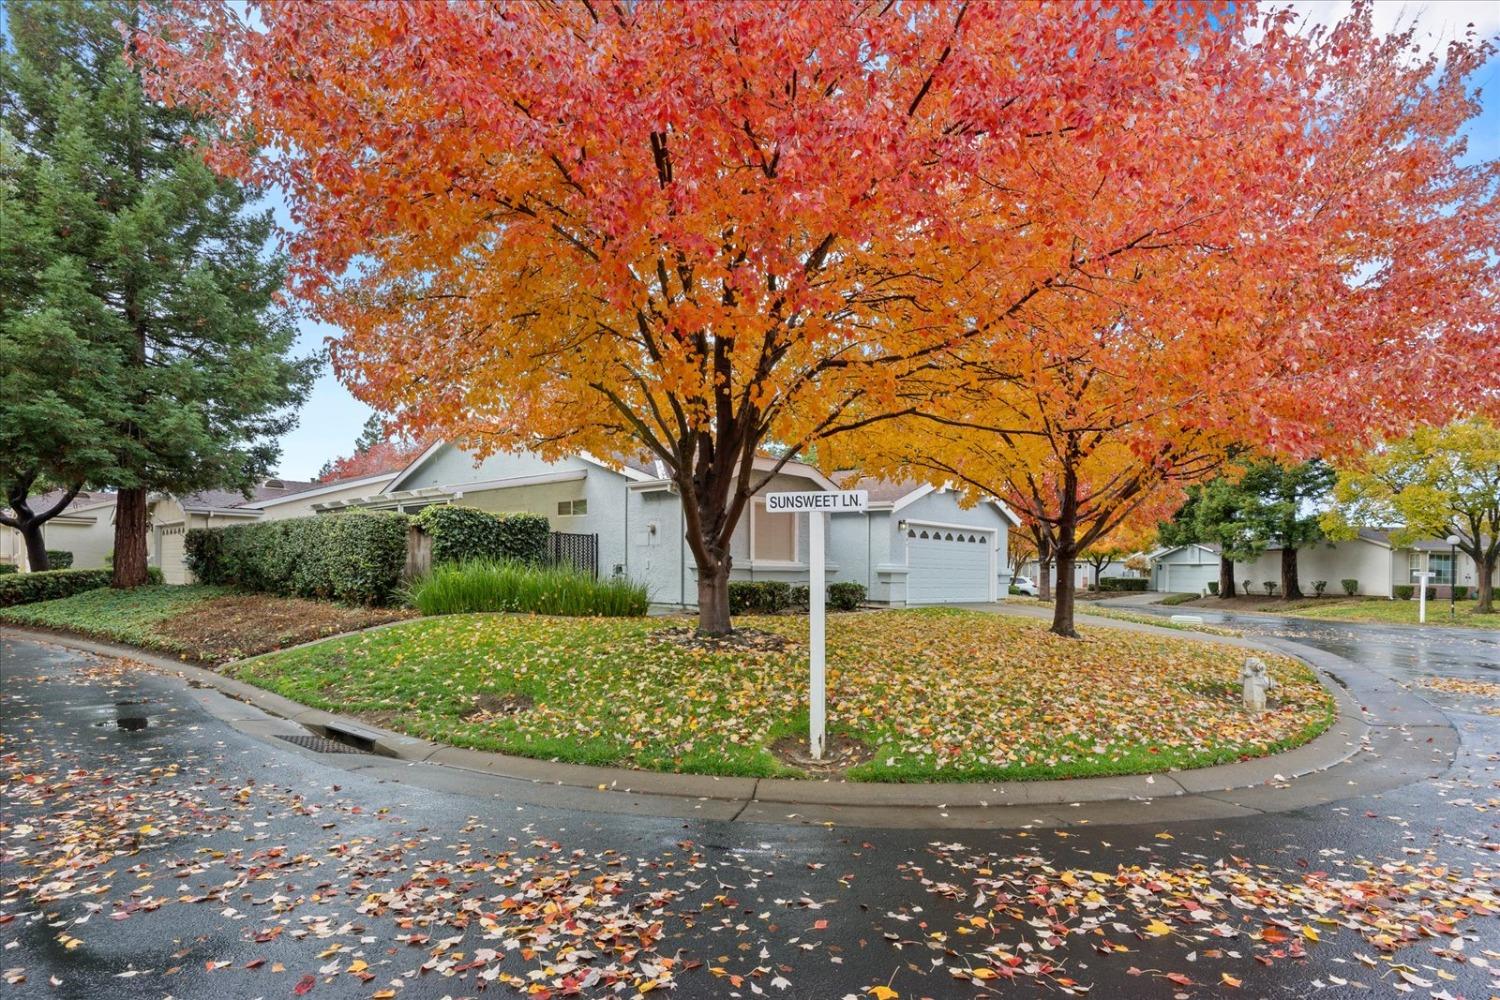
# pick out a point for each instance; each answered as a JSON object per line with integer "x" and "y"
{"x": 1324, "y": 769}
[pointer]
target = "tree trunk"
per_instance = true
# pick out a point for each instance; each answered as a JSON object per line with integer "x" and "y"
{"x": 1226, "y": 576}
{"x": 1044, "y": 579}
{"x": 36, "y": 546}
{"x": 130, "y": 539}
{"x": 713, "y": 600}
{"x": 1484, "y": 587}
{"x": 1062, "y": 600}
{"x": 1290, "y": 591}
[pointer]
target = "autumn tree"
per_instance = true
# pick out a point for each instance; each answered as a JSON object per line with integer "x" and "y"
{"x": 1435, "y": 482}
{"x": 376, "y": 450}
{"x": 694, "y": 228}
{"x": 1124, "y": 541}
{"x": 1339, "y": 251}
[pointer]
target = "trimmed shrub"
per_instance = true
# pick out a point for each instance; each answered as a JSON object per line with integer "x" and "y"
{"x": 1175, "y": 599}
{"x": 1213, "y": 587}
{"x": 1431, "y": 593}
{"x": 1247, "y": 586}
{"x": 493, "y": 585}
{"x": 59, "y": 559}
{"x": 1460, "y": 593}
{"x": 355, "y": 557}
{"x": 1119, "y": 583}
{"x": 1351, "y": 587}
{"x": 50, "y": 584}
{"x": 1319, "y": 586}
{"x": 7, "y": 568}
{"x": 1015, "y": 591}
{"x": 846, "y": 596}
{"x": 1403, "y": 591}
{"x": 463, "y": 533}
{"x": 765, "y": 597}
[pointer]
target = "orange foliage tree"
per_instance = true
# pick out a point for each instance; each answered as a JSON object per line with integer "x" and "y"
{"x": 1321, "y": 305}
{"x": 694, "y": 228}
{"x": 376, "y": 451}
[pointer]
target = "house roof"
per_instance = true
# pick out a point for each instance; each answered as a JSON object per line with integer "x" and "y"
{"x": 270, "y": 489}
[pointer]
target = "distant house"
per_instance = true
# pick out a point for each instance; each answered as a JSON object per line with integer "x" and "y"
{"x": 85, "y": 528}
{"x": 917, "y": 544}
{"x": 1083, "y": 572}
{"x": 1370, "y": 558}
{"x": 169, "y": 517}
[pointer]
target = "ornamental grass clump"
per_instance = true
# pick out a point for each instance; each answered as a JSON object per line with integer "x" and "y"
{"x": 499, "y": 585}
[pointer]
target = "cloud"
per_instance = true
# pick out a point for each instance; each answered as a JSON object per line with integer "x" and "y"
{"x": 1437, "y": 21}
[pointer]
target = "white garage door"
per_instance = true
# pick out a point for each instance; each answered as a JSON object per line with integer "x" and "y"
{"x": 171, "y": 552}
{"x": 1189, "y": 579}
{"x": 948, "y": 565}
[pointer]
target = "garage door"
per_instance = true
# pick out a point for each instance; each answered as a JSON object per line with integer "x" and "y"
{"x": 1189, "y": 579}
{"x": 171, "y": 552}
{"x": 948, "y": 565}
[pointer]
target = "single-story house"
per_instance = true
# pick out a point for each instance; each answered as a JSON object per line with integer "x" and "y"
{"x": 1371, "y": 558}
{"x": 169, "y": 518}
{"x": 1083, "y": 572}
{"x": 916, "y": 545}
{"x": 86, "y": 528}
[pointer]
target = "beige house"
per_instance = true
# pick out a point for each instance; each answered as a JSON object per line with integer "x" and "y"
{"x": 85, "y": 528}
{"x": 170, "y": 518}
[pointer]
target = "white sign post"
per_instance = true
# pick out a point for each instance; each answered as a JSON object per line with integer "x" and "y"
{"x": 815, "y": 505}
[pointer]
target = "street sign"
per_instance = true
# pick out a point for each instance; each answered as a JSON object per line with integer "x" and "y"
{"x": 815, "y": 505}
{"x": 828, "y": 502}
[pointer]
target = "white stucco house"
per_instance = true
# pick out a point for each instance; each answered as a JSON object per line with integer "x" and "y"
{"x": 1371, "y": 558}
{"x": 916, "y": 545}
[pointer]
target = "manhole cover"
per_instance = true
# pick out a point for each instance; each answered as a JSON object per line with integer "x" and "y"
{"x": 320, "y": 744}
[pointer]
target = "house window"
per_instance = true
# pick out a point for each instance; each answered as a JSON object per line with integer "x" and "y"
{"x": 1439, "y": 564}
{"x": 773, "y": 536}
{"x": 572, "y": 508}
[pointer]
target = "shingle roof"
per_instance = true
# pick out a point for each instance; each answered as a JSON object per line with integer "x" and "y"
{"x": 271, "y": 489}
{"x": 880, "y": 490}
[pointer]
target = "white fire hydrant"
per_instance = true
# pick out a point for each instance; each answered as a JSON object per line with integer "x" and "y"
{"x": 1255, "y": 681}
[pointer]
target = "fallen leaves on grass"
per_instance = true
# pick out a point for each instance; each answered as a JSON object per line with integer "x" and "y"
{"x": 935, "y": 694}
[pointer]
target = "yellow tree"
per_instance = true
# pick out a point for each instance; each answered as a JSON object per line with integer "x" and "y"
{"x": 1434, "y": 483}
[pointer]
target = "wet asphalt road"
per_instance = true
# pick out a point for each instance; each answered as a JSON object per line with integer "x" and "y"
{"x": 137, "y": 857}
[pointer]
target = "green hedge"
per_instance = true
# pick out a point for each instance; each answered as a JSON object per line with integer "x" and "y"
{"x": 48, "y": 585}
{"x": 1351, "y": 586}
{"x": 463, "y": 533}
{"x": 59, "y": 559}
{"x": 1117, "y": 583}
{"x": 356, "y": 557}
{"x": 768, "y": 597}
{"x": 1460, "y": 593}
{"x": 7, "y": 568}
{"x": 1403, "y": 591}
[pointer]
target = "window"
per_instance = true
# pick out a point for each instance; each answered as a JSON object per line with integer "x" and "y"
{"x": 1439, "y": 564}
{"x": 773, "y": 536}
{"x": 572, "y": 508}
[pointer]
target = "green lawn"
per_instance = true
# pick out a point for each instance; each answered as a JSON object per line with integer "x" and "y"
{"x": 1394, "y": 612}
{"x": 208, "y": 624}
{"x": 934, "y": 694}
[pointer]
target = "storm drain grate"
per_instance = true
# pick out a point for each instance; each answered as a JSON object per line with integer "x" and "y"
{"x": 320, "y": 744}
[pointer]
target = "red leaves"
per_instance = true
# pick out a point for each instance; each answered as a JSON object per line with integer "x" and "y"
{"x": 305, "y": 985}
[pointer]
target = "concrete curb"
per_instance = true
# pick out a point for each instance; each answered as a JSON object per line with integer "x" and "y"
{"x": 1321, "y": 770}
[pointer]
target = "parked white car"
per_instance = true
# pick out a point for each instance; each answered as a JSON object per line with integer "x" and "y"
{"x": 1025, "y": 585}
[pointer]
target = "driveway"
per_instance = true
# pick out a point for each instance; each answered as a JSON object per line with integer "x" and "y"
{"x": 152, "y": 849}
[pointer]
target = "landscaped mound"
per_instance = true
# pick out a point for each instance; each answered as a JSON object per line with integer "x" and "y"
{"x": 935, "y": 694}
{"x": 203, "y": 623}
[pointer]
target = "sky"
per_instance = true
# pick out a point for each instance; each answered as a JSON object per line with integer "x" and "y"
{"x": 331, "y": 419}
